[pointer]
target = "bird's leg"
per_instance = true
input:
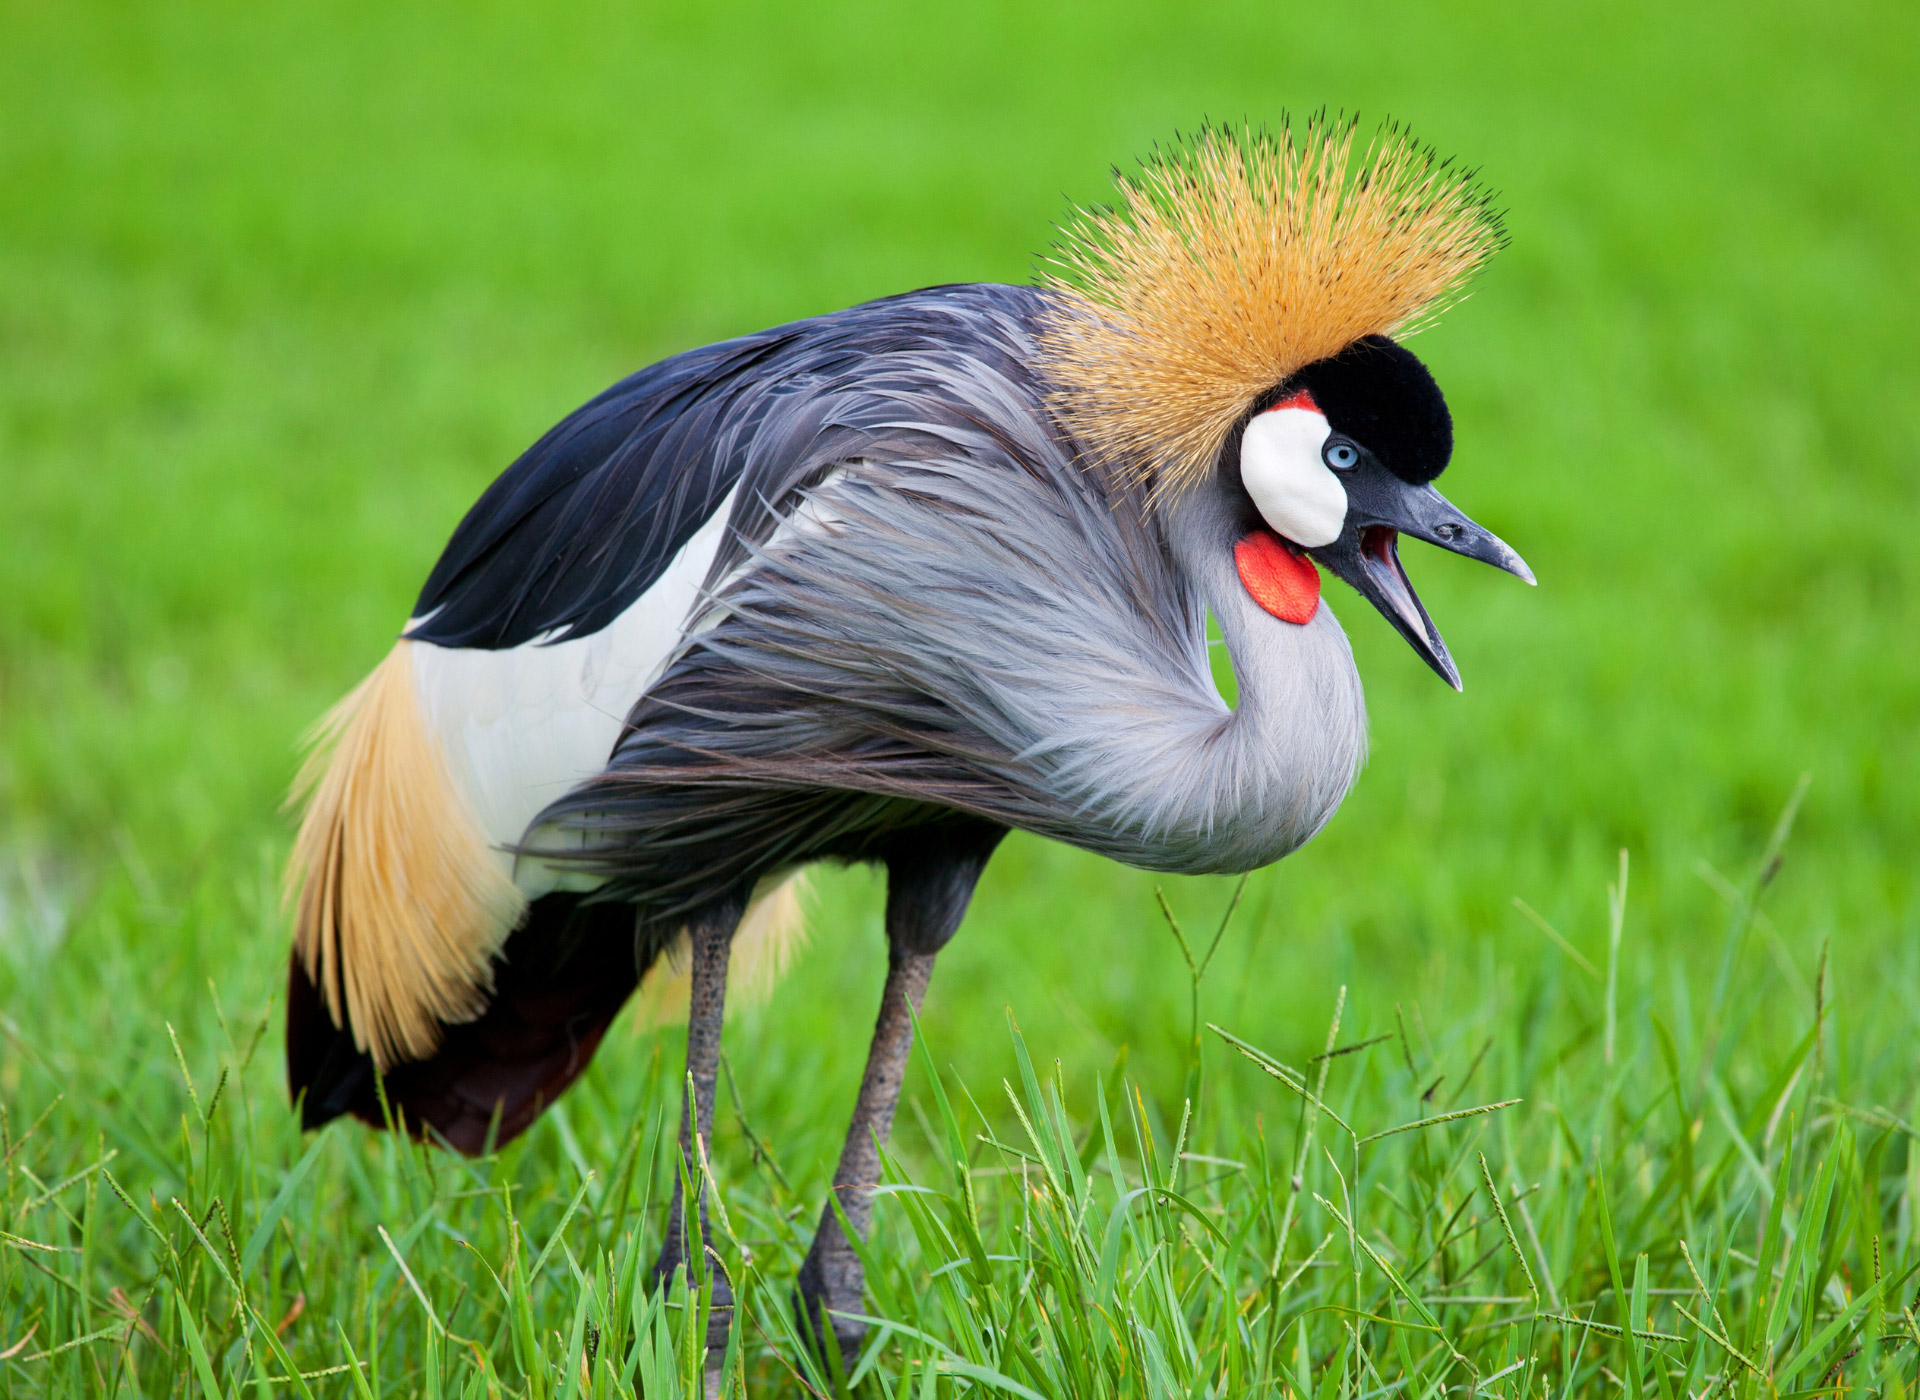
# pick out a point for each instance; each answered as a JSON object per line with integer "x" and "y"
{"x": 831, "y": 1279}
{"x": 927, "y": 893}
{"x": 711, "y": 934}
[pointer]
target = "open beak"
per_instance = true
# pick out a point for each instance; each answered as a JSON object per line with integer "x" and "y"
{"x": 1380, "y": 508}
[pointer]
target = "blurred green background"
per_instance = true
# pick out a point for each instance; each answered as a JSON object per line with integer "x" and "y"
{"x": 283, "y": 287}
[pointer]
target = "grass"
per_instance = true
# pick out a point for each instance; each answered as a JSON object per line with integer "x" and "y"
{"x": 280, "y": 290}
{"x": 1392, "y": 1212}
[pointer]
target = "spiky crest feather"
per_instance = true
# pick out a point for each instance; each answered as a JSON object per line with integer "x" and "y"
{"x": 1233, "y": 260}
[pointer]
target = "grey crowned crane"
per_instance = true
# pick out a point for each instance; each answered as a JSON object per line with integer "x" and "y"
{"x": 879, "y": 586}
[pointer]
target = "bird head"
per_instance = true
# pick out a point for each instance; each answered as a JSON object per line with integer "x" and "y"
{"x": 1336, "y": 465}
{"x": 1233, "y": 325}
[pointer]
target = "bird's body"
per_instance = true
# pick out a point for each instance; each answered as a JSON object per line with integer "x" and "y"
{"x": 764, "y": 686}
{"x": 878, "y": 585}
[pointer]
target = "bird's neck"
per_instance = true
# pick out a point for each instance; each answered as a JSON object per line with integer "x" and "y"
{"x": 1285, "y": 756}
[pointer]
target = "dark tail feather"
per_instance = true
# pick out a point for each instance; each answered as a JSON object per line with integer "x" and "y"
{"x": 558, "y": 984}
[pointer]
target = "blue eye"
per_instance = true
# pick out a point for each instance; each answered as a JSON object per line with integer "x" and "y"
{"x": 1340, "y": 454}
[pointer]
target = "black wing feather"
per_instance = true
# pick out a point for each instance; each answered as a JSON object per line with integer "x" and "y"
{"x": 592, "y": 513}
{"x": 590, "y": 516}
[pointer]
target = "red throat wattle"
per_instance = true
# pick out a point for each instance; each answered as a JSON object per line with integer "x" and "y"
{"x": 1282, "y": 581}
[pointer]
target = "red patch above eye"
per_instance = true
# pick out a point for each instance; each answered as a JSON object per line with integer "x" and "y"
{"x": 1300, "y": 398}
{"x": 1279, "y": 579}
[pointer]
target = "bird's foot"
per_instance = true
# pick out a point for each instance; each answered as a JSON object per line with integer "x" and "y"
{"x": 831, "y": 1282}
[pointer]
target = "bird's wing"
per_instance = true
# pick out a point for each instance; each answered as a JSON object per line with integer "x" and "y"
{"x": 560, "y": 597}
{"x": 519, "y": 725}
{"x": 568, "y": 585}
{"x": 564, "y": 588}
{"x": 595, "y": 512}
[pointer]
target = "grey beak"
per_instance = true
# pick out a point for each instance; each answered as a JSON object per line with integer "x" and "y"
{"x": 1380, "y": 508}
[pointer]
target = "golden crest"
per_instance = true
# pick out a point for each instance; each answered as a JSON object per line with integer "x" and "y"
{"x": 1230, "y": 261}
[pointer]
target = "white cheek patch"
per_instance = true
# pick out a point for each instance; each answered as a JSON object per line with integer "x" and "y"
{"x": 1281, "y": 468}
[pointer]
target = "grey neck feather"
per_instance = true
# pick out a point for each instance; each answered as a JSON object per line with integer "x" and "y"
{"x": 1274, "y": 769}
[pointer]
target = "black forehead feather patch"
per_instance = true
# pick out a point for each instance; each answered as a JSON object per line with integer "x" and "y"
{"x": 1380, "y": 395}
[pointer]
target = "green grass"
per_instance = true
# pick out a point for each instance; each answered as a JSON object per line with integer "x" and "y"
{"x": 281, "y": 289}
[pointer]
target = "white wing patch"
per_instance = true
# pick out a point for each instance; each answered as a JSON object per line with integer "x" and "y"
{"x": 522, "y": 725}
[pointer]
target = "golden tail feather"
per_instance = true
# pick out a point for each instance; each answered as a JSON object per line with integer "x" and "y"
{"x": 401, "y": 902}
